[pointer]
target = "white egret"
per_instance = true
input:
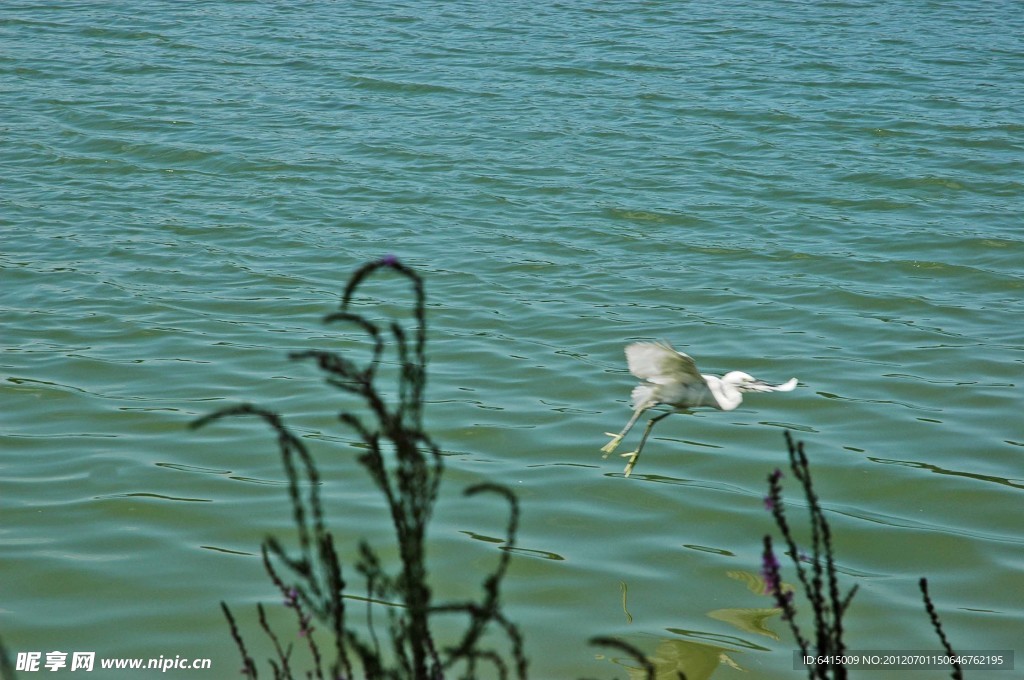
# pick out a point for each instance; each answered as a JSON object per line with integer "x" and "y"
{"x": 672, "y": 378}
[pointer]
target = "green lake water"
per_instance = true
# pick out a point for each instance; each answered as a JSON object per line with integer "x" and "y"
{"x": 831, "y": 191}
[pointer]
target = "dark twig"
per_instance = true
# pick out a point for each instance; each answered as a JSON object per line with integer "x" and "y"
{"x": 249, "y": 666}
{"x": 406, "y": 467}
{"x": 820, "y": 583}
{"x": 934, "y": 616}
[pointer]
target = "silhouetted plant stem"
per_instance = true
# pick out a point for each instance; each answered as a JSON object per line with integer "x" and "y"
{"x": 249, "y": 666}
{"x": 820, "y": 583}
{"x": 937, "y": 625}
{"x": 406, "y": 467}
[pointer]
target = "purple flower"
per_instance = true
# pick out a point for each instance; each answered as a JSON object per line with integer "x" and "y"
{"x": 775, "y": 476}
{"x": 770, "y": 572}
{"x": 769, "y": 503}
{"x": 388, "y": 260}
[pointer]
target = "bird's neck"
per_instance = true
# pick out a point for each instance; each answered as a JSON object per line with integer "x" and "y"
{"x": 726, "y": 394}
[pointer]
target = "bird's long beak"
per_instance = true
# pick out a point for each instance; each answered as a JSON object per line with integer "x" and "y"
{"x": 762, "y": 386}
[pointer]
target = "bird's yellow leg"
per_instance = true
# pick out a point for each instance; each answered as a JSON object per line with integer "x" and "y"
{"x": 633, "y": 455}
{"x": 613, "y": 444}
{"x": 617, "y": 438}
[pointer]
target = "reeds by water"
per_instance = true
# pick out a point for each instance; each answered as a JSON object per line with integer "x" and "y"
{"x": 406, "y": 466}
{"x": 816, "y": 574}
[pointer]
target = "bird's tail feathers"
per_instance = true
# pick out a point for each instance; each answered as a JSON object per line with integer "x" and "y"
{"x": 643, "y": 395}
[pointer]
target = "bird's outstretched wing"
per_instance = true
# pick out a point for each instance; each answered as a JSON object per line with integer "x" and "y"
{"x": 659, "y": 363}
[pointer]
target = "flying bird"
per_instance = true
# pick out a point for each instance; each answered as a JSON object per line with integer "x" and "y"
{"x": 671, "y": 378}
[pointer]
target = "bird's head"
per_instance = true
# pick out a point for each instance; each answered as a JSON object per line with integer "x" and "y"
{"x": 740, "y": 380}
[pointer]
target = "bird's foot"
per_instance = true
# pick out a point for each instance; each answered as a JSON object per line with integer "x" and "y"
{"x": 612, "y": 445}
{"x": 632, "y": 455}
